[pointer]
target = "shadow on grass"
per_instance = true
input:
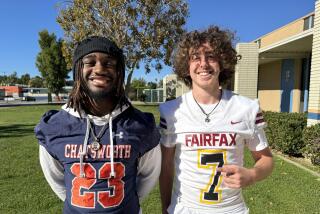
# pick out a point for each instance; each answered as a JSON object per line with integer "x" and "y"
{"x": 16, "y": 130}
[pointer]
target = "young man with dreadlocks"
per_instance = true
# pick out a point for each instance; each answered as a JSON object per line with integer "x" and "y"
{"x": 204, "y": 131}
{"x": 99, "y": 154}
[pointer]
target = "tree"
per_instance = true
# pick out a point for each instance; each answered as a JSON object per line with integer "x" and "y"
{"x": 152, "y": 85}
{"x": 138, "y": 83}
{"x": 12, "y": 79}
{"x": 3, "y": 80}
{"x": 136, "y": 89}
{"x": 146, "y": 30}
{"x": 160, "y": 84}
{"x": 51, "y": 62}
{"x": 36, "y": 82}
{"x": 171, "y": 89}
{"x": 25, "y": 78}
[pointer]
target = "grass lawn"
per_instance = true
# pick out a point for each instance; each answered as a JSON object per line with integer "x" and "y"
{"x": 23, "y": 188}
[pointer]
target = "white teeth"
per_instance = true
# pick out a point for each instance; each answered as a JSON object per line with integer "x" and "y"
{"x": 204, "y": 73}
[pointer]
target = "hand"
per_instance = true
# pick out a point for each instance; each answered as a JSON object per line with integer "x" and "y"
{"x": 164, "y": 212}
{"x": 236, "y": 177}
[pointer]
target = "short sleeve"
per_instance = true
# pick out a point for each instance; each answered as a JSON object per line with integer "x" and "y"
{"x": 259, "y": 140}
{"x": 152, "y": 139}
{"x": 168, "y": 137}
{"x": 259, "y": 120}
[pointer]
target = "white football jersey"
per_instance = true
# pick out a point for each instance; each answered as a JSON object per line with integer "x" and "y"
{"x": 202, "y": 147}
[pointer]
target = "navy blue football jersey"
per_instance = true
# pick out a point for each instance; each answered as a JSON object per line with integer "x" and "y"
{"x": 134, "y": 134}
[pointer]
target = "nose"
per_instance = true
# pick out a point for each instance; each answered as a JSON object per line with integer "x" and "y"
{"x": 98, "y": 67}
{"x": 203, "y": 62}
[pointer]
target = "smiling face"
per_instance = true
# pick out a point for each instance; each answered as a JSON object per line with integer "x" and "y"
{"x": 100, "y": 74}
{"x": 204, "y": 68}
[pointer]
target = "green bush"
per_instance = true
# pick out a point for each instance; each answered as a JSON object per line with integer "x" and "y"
{"x": 311, "y": 136}
{"x": 284, "y": 132}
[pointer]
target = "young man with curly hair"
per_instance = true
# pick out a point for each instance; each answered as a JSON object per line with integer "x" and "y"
{"x": 99, "y": 154}
{"x": 204, "y": 131}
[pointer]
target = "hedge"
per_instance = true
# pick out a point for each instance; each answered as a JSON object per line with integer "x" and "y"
{"x": 284, "y": 132}
{"x": 311, "y": 136}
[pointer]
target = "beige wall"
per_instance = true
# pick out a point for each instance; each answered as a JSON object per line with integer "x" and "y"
{"x": 284, "y": 32}
{"x": 269, "y": 85}
{"x": 297, "y": 86}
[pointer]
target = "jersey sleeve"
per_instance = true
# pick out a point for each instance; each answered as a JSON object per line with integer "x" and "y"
{"x": 168, "y": 136}
{"x": 45, "y": 128}
{"x": 259, "y": 140}
{"x": 151, "y": 135}
{"x": 148, "y": 172}
{"x": 53, "y": 172}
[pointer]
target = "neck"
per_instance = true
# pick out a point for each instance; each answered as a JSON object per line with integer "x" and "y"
{"x": 102, "y": 107}
{"x": 207, "y": 96}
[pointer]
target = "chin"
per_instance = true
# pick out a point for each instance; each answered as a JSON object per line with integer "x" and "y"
{"x": 102, "y": 93}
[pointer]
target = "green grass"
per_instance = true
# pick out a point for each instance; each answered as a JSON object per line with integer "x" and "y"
{"x": 23, "y": 188}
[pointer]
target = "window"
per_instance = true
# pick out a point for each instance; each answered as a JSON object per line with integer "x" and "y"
{"x": 259, "y": 43}
{"x": 308, "y": 22}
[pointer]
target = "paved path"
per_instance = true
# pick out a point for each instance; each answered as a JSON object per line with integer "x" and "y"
{"x": 27, "y": 103}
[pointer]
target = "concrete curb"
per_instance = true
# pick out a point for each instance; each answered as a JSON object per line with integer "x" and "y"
{"x": 299, "y": 165}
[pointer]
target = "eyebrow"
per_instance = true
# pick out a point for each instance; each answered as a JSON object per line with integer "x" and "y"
{"x": 195, "y": 53}
{"x": 93, "y": 55}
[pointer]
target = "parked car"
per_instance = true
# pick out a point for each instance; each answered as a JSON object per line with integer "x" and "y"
{"x": 9, "y": 98}
{"x": 28, "y": 98}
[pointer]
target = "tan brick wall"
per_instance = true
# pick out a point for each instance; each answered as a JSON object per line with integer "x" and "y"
{"x": 246, "y": 75}
{"x": 314, "y": 89}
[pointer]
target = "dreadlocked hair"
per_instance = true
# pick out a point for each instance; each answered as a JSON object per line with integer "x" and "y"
{"x": 79, "y": 98}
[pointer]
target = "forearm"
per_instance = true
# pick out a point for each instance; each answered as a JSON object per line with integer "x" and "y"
{"x": 166, "y": 177}
{"x": 166, "y": 181}
{"x": 263, "y": 166}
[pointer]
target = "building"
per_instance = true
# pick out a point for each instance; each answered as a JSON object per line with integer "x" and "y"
{"x": 2, "y": 93}
{"x": 153, "y": 95}
{"x": 12, "y": 91}
{"x": 172, "y": 87}
{"x": 40, "y": 94}
{"x": 282, "y": 68}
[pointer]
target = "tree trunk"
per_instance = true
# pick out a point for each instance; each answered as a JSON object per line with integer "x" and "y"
{"x": 128, "y": 83}
{"x": 49, "y": 97}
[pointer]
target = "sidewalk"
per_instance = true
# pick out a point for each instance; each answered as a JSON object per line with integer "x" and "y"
{"x": 28, "y": 103}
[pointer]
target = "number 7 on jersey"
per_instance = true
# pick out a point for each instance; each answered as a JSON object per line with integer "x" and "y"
{"x": 211, "y": 159}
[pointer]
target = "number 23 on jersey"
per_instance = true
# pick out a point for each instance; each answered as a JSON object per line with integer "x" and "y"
{"x": 111, "y": 196}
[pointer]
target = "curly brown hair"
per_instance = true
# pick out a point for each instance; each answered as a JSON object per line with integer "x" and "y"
{"x": 219, "y": 40}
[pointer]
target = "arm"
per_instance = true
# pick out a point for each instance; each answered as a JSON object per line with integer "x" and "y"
{"x": 264, "y": 164}
{"x": 166, "y": 176}
{"x": 148, "y": 172}
{"x": 53, "y": 172}
{"x": 237, "y": 177}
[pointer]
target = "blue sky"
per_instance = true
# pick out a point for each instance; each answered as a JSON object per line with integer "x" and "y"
{"x": 21, "y": 21}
